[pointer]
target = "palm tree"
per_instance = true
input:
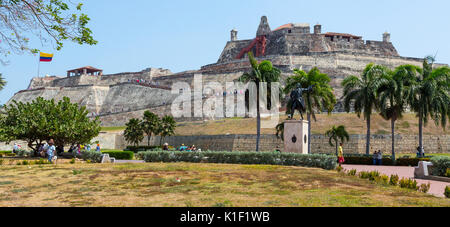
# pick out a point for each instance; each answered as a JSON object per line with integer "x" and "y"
{"x": 2, "y": 82}
{"x": 167, "y": 127}
{"x": 393, "y": 95}
{"x": 337, "y": 134}
{"x": 133, "y": 132}
{"x": 320, "y": 98}
{"x": 430, "y": 97}
{"x": 280, "y": 131}
{"x": 150, "y": 124}
{"x": 262, "y": 72}
{"x": 361, "y": 93}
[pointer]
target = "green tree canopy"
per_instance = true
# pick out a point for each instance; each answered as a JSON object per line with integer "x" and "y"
{"x": 337, "y": 134}
{"x": 36, "y": 122}
{"x": 49, "y": 21}
{"x": 321, "y": 98}
{"x": 150, "y": 124}
{"x": 260, "y": 73}
{"x": 361, "y": 93}
{"x": 134, "y": 133}
{"x": 168, "y": 125}
{"x": 430, "y": 97}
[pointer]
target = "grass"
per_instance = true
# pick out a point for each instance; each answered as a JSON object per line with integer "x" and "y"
{"x": 408, "y": 125}
{"x": 200, "y": 185}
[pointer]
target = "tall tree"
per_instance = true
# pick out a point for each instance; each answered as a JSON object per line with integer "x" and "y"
{"x": 41, "y": 120}
{"x": 337, "y": 134}
{"x": 133, "y": 132}
{"x": 2, "y": 82}
{"x": 263, "y": 72}
{"x": 150, "y": 124}
{"x": 168, "y": 125}
{"x": 430, "y": 98}
{"x": 361, "y": 94}
{"x": 49, "y": 21}
{"x": 321, "y": 98}
{"x": 393, "y": 95}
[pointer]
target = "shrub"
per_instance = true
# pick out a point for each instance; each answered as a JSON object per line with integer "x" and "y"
{"x": 394, "y": 180}
{"x": 92, "y": 156}
{"x": 447, "y": 192}
{"x": 352, "y": 172}
{"x": 408, "y": 183}
{"x": 339, "y": 169}
{"x": 1, "y": 162}
{"x": 364, "y": 175}
{"x": 72, "y": 161}
{"x": 363, "y": 159}
{"x": 447, "y": 174}
{"x": 23, "y": 153}
{"x": 25, "y": 162}
{"x": 120, "y": 155}
{"x": 140, "y": 155}
{"x": 327, "y": 162}
{"x": 424, "y": 188}
{"x": 383, "y": 179}
{"x": 440, "y": 165}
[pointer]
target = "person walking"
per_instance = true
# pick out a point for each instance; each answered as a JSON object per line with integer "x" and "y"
{"x": 341, "y": 159}
{"x": 98, "y": 148}
{"x": 51, "y": 150}
{"x": 380, "y": 158}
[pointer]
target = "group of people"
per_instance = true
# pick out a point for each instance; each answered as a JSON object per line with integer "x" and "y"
{"x": 377, "y": 158}
{"x": 185, "y": 148}
{"x": 48, "y": 150}
{"x": 182, "y": 148}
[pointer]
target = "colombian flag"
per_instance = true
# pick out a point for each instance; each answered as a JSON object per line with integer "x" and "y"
{"x": 46, "y": 57}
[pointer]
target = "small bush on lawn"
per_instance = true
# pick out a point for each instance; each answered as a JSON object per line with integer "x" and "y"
{"x": 352, "y": 172}
{"x": 383, "y": 179}
{"x": 424, "y": 188}
{"x": 447, "y": 192}
{"x": 41, "y": 162}
{"x": 339, "y": 169}
{"x": 408, "y": 183}
{"x": 447, "y": 174}
{"x": 120, "y": 155}
{"x": 92, "y": 156}
{"x": 25, "y": 162}
{"x": 440, "y": 165}
{"x": 327, "y": 162}
{"x": 369, "y": 175}
{"x": 394, "y": 180}
{"x": 72, "y": 161}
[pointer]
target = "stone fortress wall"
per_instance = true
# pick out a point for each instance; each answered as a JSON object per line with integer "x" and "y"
{"x": 115, "y": 99}
{"x": 405, "y": 144}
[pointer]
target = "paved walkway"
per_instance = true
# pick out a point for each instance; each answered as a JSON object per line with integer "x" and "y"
{"x": 437, "y": 187}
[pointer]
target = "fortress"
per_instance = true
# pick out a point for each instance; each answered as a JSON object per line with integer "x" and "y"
{"x": 118, "y": 97}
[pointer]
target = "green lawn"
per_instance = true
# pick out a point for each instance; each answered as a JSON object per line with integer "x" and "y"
{"x": 199, "y": 185}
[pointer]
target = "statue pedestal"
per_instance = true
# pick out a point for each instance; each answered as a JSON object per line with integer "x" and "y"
{"x": 296, "y": 136}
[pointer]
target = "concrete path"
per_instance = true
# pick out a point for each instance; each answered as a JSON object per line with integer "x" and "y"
{"x": 437, "y": 187}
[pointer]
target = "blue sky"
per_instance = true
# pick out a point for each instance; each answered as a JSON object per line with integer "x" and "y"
{"x": 184, "y": 35}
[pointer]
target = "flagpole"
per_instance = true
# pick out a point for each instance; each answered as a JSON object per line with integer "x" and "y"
{"x": 39, "y": 66}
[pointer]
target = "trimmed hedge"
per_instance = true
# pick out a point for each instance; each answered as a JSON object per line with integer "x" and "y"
{"x": 137, "y": 149}
{"x": 120, "y": 155}
{"x": 440, "y": 165}
{"x": 362, "y": 159}
{"x": 411, "y": 161}
{"x": 93, "y": 156}
{"x": 264, "y": 158}
{"x": 359, "y": 159}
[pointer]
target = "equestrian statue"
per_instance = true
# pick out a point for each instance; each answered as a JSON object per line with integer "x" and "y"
{"x": 297, "y": 101}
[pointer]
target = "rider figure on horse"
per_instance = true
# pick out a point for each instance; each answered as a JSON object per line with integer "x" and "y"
{"x": 298, "y": 103}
